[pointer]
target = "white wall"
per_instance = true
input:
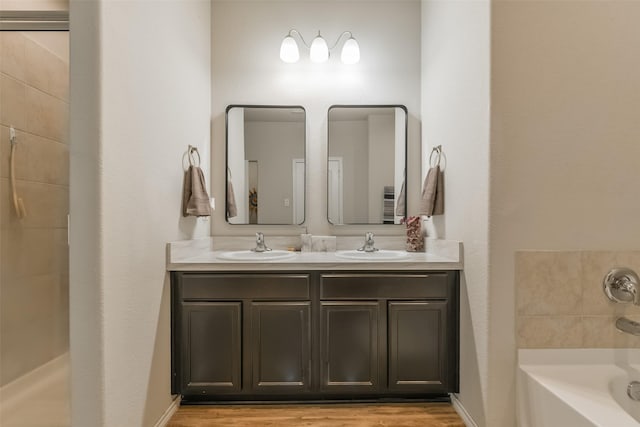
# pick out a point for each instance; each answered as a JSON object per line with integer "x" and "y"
{"x": 565, "y": 147}
{"x": 140, "y": 93}
{"x": 246, "y": 69}
{"x": 455, "y": 113}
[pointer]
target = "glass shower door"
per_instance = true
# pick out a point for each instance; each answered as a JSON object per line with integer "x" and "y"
{"x": 34, "y": 203}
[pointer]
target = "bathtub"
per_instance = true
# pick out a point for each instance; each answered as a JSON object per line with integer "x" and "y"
{"x": 577, "y": 388}
{"x": 40, "y": 398}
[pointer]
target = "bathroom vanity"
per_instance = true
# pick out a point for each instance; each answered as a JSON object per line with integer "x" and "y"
{"x": 314, "y": 328}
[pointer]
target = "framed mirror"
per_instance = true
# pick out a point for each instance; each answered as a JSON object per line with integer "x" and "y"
{"x": 367, "y": 162}
{"x": 265, "y": 148}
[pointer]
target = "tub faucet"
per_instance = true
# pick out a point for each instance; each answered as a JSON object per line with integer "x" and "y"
{"x": 261, "y": 246}
{"x": 627, "y": 325}
{"x": 621, "y": 286}
{"x": 369, "y": 244}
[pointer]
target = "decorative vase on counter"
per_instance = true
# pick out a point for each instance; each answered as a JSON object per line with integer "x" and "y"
{"x": 415, "y": 239}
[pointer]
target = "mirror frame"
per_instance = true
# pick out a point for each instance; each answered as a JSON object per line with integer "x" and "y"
{"x": 226, "y": 158}
{"x": 406, "y": 139}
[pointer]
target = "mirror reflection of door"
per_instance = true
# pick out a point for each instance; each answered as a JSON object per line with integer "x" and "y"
{"x": 371, "y": 143}
{"x": 272, "y": 137}
{"x": 298, "y": 191}
{"x": 335, "y": 190}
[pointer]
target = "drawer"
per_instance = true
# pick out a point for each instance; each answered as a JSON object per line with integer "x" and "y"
{"x": 238, "y": 286}
{"x": 383, "y": 286}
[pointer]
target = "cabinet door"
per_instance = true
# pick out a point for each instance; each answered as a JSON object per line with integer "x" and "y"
{"x": 417, "y": 346}
{"x": 350, "y": 347}
{"x": 281, "y": 345}
{"x": 211, "y": 347}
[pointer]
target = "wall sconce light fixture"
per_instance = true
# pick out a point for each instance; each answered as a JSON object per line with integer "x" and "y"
{"x": 319, "y": 50}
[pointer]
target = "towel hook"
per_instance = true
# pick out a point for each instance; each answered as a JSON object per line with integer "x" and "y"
{"x": 192, "y": 160}
{"x": 437, "y": 150}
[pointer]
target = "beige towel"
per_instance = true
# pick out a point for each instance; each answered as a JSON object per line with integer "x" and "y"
{"x": 432, "y": 201}
{"x": 232, "y": 208}
{"x": 438, "y": 208}
{"x": 195, "y": 200}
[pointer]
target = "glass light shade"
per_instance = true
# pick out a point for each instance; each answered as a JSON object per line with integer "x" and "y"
{"x": 289, "y": 50}
{"x": 319, "y": 50}
{"x": 350, "y": 52}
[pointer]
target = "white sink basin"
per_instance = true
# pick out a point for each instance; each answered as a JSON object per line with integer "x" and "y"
{"x": 274, "y": 255}
{"x": 381, "y": 255}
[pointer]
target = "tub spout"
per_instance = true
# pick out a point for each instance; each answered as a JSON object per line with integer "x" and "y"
{"x": 628, "y": 326}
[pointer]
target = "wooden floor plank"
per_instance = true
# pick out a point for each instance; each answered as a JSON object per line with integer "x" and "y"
{"x": 327, "y": 415}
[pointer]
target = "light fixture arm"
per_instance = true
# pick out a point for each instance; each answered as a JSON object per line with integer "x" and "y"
{"x": 293, "y": 30}
{"x": 340, "y": 37}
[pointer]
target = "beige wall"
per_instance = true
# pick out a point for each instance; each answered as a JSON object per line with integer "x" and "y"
{"x": 34, "y": 282}
{"x": 564, "y": 148}
{"x": 140, "y": 94}
{"x": 455, "y": 113}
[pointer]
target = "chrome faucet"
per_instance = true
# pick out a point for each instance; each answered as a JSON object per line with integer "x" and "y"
{"x": 627, "y": 325}
{"x": 621, "y": 286}
{"x": 261, "y": 246}
{"x": 369, "y": 244}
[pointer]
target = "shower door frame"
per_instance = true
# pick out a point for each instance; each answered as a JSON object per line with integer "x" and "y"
{"x": 34, "y": 20}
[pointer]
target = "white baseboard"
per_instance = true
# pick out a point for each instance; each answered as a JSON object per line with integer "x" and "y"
{"x": 166, "y": 417}
{"x": 466, "y": 418}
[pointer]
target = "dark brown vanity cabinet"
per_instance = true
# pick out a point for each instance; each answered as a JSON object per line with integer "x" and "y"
{"x": 350, "y": 347}
{"x": 280, "y": 346}
{"x": 418, "y": 349}
{"x": 240, "y": 334}
{"x": 318, "y": 335}
{"x": 211, "y": 347}
{"x": 391, "y": 333}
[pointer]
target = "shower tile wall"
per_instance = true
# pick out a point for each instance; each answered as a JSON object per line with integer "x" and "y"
{"x": 561, "y": 304}
{"x": 34, "y": 275}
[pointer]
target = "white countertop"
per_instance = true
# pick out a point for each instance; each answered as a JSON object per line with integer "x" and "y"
{"x": 198, "y": 255}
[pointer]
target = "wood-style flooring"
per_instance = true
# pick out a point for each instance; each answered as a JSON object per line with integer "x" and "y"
{"x": 326, "y": 415}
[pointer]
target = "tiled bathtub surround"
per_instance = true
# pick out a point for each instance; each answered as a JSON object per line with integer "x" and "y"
{"x": 34, "y": 274}
{"x": 560, "y": 302}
